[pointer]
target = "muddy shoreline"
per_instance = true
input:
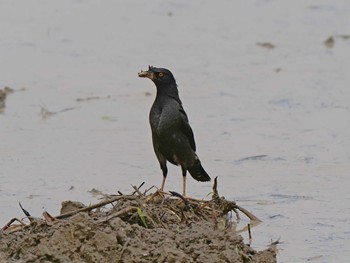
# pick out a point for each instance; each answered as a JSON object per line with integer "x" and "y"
{"x": 133, "y": 228}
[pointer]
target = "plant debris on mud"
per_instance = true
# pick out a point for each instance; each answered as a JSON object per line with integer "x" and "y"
{"x": 140, "y": 227}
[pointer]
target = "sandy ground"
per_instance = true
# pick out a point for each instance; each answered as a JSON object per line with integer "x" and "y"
{"x": 133, "y": 229}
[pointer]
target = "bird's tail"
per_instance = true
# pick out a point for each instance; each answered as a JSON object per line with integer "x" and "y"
{"x": 198, "y": 173}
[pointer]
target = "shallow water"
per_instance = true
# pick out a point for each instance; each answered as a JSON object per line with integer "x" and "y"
{"x": 290, "y": 103}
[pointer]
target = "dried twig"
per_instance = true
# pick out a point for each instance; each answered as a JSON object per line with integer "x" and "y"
{"x": 275, "y": 243}
{"x": 137, "y": 189}
{"x": 89, "y": 208}
{"x": 48, "y": 217}
{"x": 24, "y": 211}
{"x": 121, "y": 213}
{"x": 248, "y": 214}
{"x": 237, "y": 215}
{"x": 8, "y": 225}
{"x": 215, "y": 189}
{"x": 249, "y": 232}
{"x": 146, "y": 191}
{"x": 160, "y": 209}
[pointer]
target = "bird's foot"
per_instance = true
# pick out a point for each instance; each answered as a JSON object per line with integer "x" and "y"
{"x": 161, "y": 193}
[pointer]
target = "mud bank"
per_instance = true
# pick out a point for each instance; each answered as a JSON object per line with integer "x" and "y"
{"x": 133, "y": 228}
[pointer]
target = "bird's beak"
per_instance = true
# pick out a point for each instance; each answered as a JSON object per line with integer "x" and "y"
{"x": 146, "y": 74}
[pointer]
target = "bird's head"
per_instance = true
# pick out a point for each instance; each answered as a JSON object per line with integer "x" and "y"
{"x": 160, "y": 76}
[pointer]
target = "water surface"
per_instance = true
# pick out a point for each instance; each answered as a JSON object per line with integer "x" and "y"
{"x": 255, "y": 78}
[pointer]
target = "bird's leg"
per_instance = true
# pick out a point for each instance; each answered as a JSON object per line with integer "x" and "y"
{"x": 183, "y": 181}
{"x": 163, "y": 183}
{"x": 165, "y": 172}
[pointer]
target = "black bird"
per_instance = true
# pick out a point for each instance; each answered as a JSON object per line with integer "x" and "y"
{"x": 172, "y": 135}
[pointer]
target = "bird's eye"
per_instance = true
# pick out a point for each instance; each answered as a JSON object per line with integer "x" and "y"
{"x": 161, "y": 74}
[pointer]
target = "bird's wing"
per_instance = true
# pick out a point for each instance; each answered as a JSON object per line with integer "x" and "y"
{"x": 187, "y": 128}
{"x": 160, "y": 156}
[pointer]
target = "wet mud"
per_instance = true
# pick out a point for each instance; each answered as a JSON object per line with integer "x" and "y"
{"x": 133, "y": 228}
